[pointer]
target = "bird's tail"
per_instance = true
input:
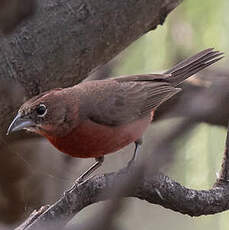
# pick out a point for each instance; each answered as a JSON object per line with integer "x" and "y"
{"x": 192, "y": 65}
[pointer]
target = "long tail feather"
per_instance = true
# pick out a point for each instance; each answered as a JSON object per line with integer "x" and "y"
{"x": 192, "y": 65}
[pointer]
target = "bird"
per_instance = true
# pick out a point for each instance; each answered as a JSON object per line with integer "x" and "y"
{"x": 98, "y": 117}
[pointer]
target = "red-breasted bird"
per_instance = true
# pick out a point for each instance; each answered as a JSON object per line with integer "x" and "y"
{"x": 98, "y": 117}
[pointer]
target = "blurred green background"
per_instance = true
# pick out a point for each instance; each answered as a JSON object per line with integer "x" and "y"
{"x": 191, "y": 27}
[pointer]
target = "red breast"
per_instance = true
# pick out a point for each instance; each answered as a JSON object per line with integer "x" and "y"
{"x": 90, "y": 139}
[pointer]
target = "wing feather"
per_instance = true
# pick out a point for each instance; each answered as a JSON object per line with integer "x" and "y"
{"x": 122, "y": 100}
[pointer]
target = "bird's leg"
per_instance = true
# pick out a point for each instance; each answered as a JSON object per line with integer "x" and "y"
{"x": 84, "y": 176}
{"x": 96, "y": 165}
{"x": 136, "y": 150}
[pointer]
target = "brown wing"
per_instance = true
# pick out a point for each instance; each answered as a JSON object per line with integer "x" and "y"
{"x": 125, "y": 99}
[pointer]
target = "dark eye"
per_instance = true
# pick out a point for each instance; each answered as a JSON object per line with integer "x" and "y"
{"x": 41, "y": 110}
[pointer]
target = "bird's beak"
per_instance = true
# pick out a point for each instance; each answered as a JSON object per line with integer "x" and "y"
{"x": 19, "y": 123}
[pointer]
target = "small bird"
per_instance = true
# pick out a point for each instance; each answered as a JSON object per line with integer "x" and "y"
{"x": 98, "y": 117}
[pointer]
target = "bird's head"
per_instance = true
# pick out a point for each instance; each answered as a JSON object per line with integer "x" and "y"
{"x": 46, "y": 114}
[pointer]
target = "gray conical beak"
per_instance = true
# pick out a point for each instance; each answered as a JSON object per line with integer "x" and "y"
{"x": 19, "y": 123}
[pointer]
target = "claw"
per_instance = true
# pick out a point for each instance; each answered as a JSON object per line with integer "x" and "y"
{"x": 75, "y": 185}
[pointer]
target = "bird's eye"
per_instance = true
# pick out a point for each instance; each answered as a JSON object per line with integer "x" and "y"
{"x": 41, "y": 110}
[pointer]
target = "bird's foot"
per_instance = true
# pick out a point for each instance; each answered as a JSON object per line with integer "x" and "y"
{"x": 70, "y": 189}
{"x": 76, "y": 183}
{"x": 86, "y": 175}
{"x": 79, "y": 181}
{"x": 131, "y": 164}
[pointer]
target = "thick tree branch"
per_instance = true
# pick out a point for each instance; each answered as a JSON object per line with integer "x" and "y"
{"x": 157, "y": 189}
{"x": 172, "y": 195}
